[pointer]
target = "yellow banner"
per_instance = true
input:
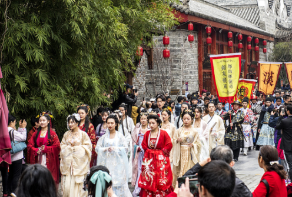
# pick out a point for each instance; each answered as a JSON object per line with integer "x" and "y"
{"x": 226, "y": 72}
{"x": 288, "y": 66}
{"x": 245, "y": 88}
{"x": 268, "y": 76}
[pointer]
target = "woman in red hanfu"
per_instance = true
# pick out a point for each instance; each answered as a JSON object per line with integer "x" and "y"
{"x": 86, "y": 126}
{"x": 44, "y": 147}
{"x": 35, "y": 123}
{"x": 156, "y": 174}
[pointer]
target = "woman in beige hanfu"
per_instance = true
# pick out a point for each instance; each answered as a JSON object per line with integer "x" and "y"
{"x": 75, "y": 159}
{"x": 186, "y": 146}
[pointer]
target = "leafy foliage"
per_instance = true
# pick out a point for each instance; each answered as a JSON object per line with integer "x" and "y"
{"x": 59, "y": 53}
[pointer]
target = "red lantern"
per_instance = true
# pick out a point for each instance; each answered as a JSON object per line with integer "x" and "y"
{"x": 139, "y": 51}
{"x": 209, "y": 40}
{"x": 230, "y": 43}
{"x": 191, "y": 38}
{"x": 248, "y": 39}
{"x": 165, "y": 40}
{"x": 239, "y": 36}
{"x": 256, "y": 48}
{"x": 208, "y": 30}
{"x": 240, "y": 45}
{"x": 256, "y": 41}
{"x": 264, "y": 42}
{"x": 230, "y": 35}
{"x": 190, "y": 27}
{"x": 264, "y": 50}
{"x": 249, "y": 47}
{"x": 166, "y": 53}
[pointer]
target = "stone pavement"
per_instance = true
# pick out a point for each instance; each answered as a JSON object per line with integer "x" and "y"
{"x": 248, "y": 170}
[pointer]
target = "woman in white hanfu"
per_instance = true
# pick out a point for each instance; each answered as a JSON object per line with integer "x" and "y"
{"x": 112, "y": 151}
{"x": 200, "y": 126}
{"x": 75, "y": 159}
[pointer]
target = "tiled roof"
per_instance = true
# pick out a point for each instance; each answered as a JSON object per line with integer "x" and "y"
{"x": 219, "y": 14}
{"x": 233, "y": 2}
{"x": 249, "y": 13}
{"x": 282, "y": 31}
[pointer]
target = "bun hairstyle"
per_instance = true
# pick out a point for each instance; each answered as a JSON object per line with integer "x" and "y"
{"x": 114, "y": 116}
{"x": 155, "y": 117}
{"x": 75, "y": 118}
{"x": 165, "y": 109}
{"x": 270, "y": 156}
{"x": 86, "y": 108}
{"x": 189, "y": 112}
{"x": 47, "y": 116}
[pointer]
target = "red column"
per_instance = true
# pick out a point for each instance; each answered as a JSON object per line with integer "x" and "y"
{"x": 200, "y": 56}
{"x": 245, "y": 56}
{"x": 213, "y": 51}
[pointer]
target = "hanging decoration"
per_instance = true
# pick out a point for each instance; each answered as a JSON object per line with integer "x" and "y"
{"x": 191, "y": 37}
{"x": 166, "y": 53}
{"x": 256, "y": 41}
{"x": 265, "y": 44}
{"x": 209, "y": 31}
{"x": 139, "y": 51}
{"x": 248, "y": 43}
{"x": 165, "y": 40}
{"x": 240, "y": 41}
{"x": 230, "y": 42}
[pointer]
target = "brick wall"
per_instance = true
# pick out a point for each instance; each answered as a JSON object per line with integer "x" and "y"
{"x": 181, "y": 67}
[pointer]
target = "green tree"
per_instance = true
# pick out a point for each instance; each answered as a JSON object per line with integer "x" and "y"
{"x": 57, "y": 54}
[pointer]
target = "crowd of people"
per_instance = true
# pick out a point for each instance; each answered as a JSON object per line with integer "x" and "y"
{"x": 154, "y": 145}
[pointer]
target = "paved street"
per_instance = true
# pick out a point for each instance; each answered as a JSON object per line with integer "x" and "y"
{"x": 248, "y": 170}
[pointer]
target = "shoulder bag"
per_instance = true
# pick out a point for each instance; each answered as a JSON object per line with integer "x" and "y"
{"x": 16, "y": 146}
{"x": 267, "y": 186}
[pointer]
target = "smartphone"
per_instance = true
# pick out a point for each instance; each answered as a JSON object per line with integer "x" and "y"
{"x": 283, "y": 110}
{"x": 193, "y": 180}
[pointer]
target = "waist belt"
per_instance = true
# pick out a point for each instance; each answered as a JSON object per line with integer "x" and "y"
{"x": 265, "y": 123}
{"x": 246, "y": 123}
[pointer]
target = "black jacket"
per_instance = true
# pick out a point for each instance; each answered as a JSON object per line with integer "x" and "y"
{"x": 240, "y": 189}
{"x": 130, "y": 102}
{"x": 286, "y": 126}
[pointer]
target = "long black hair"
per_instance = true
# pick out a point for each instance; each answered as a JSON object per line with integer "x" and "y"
{"x": 125, "y": 108}
{"x": 101, "y": 124}
{"x": 40, "y": 128}
{"x": 36, "y": 180}
{"x": 91, "y": 186}
{"x": 115, "y": 119}
{"x": 85, "y": 108}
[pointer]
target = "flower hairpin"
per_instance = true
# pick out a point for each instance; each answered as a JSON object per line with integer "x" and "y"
{"x": 152, "y": 113}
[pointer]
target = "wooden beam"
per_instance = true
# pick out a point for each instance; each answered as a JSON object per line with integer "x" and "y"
{"x": 200, "y": 56}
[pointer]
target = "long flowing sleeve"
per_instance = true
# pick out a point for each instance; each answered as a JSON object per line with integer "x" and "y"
{"x": 196, "y": 149}
{"x": 221, "y": 131}
{"x": 176, "y": 147}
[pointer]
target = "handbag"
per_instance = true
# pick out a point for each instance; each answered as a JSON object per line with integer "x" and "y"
{"x": 15, "y": 145}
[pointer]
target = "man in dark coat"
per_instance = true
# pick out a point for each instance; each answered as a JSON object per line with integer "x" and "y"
{"x": 223, "y": 153}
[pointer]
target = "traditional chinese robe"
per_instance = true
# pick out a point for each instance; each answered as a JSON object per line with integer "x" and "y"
{"x": 246, "y": 127}
{"x": 266, "y": 135}
{"x": 234, "y": 136}
{"x": 219, "y": 129}
{"x": 116, "y": 161}
{"x": 91, "y": 134}
{"x": 29, "y": 135}
{"x": 74, "y": 165}
{"x": 184, "y": 156}
{"x": 51, "y": 152}
{"x": 156, "y": 175}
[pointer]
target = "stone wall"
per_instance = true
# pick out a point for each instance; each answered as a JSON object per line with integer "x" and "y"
{"x": 266, "y": 57}
{"x": 171, "y": 74}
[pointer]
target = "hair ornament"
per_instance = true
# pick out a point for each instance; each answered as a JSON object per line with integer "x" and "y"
{"x": 144, "y": 114}
{"x": 153, "y": 113}
{"x": 189, "y": 111}
{"x": 84, "y": 105}
{"x": 45, "y": 112}
{"x": 273, "y": 162}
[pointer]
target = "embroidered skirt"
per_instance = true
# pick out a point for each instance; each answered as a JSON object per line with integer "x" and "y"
{"x": 266, "y": 136}
{"x": 248, "y": 135}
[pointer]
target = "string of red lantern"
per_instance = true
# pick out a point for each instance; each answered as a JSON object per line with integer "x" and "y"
{"x": 240, "y": 41}
{"x": 166, "y": 52}
{"x": 256, "y": 41}
{"x": 191, "y": 37}
{"x": 265, "y": 44}
{"x": 230, "y": 42}
{"x": 209, "y": 31}
{"x": 249, "y": 43}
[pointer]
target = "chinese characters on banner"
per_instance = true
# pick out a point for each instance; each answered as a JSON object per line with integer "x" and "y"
{"x": 288, "y": 66}
{"x": 245, "y": 88}
{"x": 268, "y": 76}
{"x": 226, "y": 71}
